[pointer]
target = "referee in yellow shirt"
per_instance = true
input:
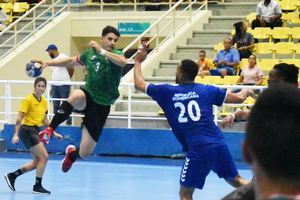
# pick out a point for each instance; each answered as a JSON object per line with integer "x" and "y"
{"x": 32, "y": 115}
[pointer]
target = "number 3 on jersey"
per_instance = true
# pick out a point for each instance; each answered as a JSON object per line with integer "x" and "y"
{"x": 97, "y": 66}
{"x": 192, "y": 105}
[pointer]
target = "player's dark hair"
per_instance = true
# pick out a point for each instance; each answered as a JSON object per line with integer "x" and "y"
{"x": 189, "y": 69}
{"x": 287, "y": 72}
{"x": 110, "y": 29}
{"x": 38, "y": 79}
{"x": 273, "y": 132}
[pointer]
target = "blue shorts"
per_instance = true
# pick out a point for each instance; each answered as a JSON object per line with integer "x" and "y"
{"x": 217, "y": 72}
{"x": 198, "y": 165}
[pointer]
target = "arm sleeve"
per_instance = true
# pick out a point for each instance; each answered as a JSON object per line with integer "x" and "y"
{"x": 217, "y": 58}
{"x": 82, "y": 58}
{"x": 25, "y": 105}
{"x": 154, "y": 91}
{"x": 258, "y": 11}
{"x": 236, "y": 56}
{"x": 277, "y": 9}
{"x": 259, "y": 72}
{"x": 218, "y": 95}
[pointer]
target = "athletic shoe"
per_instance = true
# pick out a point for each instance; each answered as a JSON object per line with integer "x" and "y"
{"x": 38, "y": 189}
{"x": 10, "y": 180}
{"x": 45, "y": 135}
{"x": 67, "y": 162}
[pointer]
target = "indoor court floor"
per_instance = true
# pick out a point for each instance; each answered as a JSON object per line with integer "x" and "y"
{"x": 110, "y": 178}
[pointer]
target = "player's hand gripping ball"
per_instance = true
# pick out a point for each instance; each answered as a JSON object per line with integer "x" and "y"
{"x": 33, "y": 69}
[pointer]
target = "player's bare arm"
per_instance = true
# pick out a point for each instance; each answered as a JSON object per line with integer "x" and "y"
{"x": 15, "y": 138}
{"x": 64, "y": 62}
{"x": 237, "y": 115}
{"x": 119, "y": 60}
{"x": 139, "y": 81}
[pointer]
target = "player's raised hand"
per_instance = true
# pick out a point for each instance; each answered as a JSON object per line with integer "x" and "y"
{"x": 93, "y": 44}
{"x": 141, "y": 54}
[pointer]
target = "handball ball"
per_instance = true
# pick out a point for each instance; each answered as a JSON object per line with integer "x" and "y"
{"x": 33, "y": 69}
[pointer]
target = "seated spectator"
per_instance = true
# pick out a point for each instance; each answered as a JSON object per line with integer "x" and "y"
{"x": 3, "y": 19}
{"x": 272, "y": 143}
{"x": 268, "y": 14}
{"x": 203, "y": 63}
{"x": 244, "y": 40}
{"x": 226, "y": 60}
{"x": 251, "y": 74}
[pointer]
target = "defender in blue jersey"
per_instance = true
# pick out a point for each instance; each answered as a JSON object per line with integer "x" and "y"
{"x": 188, "y": 108}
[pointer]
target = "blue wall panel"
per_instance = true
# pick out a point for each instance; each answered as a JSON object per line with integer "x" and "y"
{"x": 116, "y": 141}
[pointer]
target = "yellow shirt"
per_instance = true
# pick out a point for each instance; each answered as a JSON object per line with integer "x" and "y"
{"x": 34, "y": 110}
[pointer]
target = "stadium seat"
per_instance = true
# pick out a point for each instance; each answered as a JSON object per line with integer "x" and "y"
{"x": 209, "y": 80}
{"x": 293, "y": 18}
{"x": 266, "y": 64}
{"x": 250, "y": 17}
{"x": 283, "y": 48}
{"x": 261, "y": 33}
{"x": 218, "y": 47}
{"x": 20, "y": 7}
{"x": 296, "y": 49}
{"x": 281, "y": 33}
{"x": 295, "y": 33}
{"x": 288, "y": 5}
{"x": 291, "y": 61}
{"x": 264, "y": 48}
{"x": 230, "y": 80}
{"x": 7, "y": 7}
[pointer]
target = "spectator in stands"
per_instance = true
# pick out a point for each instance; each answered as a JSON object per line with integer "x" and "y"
{"x": 272, "y": 143}
{"x": 251, "y": 74}
{"x": 203, "y": 63}
{"x": 225, "y": 61}
{"x": 3, "y": 19}
{"x": 244, "y": 40}
{"x": 268, "y": 14}
{"x": 281, "y": 73}
{"x": 60, "y": 74}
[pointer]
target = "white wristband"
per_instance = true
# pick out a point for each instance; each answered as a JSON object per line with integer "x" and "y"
{"x": 102, "y": 52}
{"x": 232, "y": 115}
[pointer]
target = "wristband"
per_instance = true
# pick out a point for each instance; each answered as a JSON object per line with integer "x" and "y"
{"x": 232, "y": 115}
{"x": 102, "y": 52}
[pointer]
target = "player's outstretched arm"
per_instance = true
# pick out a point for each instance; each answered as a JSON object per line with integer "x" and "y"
{"x": 119, "y": 60}
{"x": 139, "y": 81}
{"x": 238, "y": 97}
{"x": 64, "y": 62}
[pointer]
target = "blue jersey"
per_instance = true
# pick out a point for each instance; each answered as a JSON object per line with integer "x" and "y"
{"x": 188, "y": 108}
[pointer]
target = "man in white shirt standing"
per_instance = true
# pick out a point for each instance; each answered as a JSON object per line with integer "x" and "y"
{"x": 268, "y": 14}
{"x": 59, "y": 74}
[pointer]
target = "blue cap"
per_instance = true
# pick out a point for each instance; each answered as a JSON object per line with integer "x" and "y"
{"x": 51, "y": 47}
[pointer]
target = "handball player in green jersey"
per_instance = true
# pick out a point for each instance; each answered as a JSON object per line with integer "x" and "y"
{"x": 104, "y": 65}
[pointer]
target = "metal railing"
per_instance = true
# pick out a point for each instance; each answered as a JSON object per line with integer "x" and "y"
{"x": 158, "y": 27}
{"x": 31, "y": 26}
{"x": 8, "y": 111}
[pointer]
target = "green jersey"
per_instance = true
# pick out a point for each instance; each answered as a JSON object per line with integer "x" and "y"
{"x": 103, "y": 77}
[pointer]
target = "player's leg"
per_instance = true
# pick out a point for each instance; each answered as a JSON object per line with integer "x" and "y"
{"x": 237, "y": 181}
{"x": 41, "y": 154}
{"x": 193, "y": 174}
{"x": 64, "y": 93}
{"x": 76, "y": 100}
{"x": 225, "y": 167}
{"x": 29, "y": 137}
{"x": 186, "y": 193}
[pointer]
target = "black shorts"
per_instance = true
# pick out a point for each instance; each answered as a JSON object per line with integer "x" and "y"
{"x": 95, "y": 116}
{"x": 29, "y": 135}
